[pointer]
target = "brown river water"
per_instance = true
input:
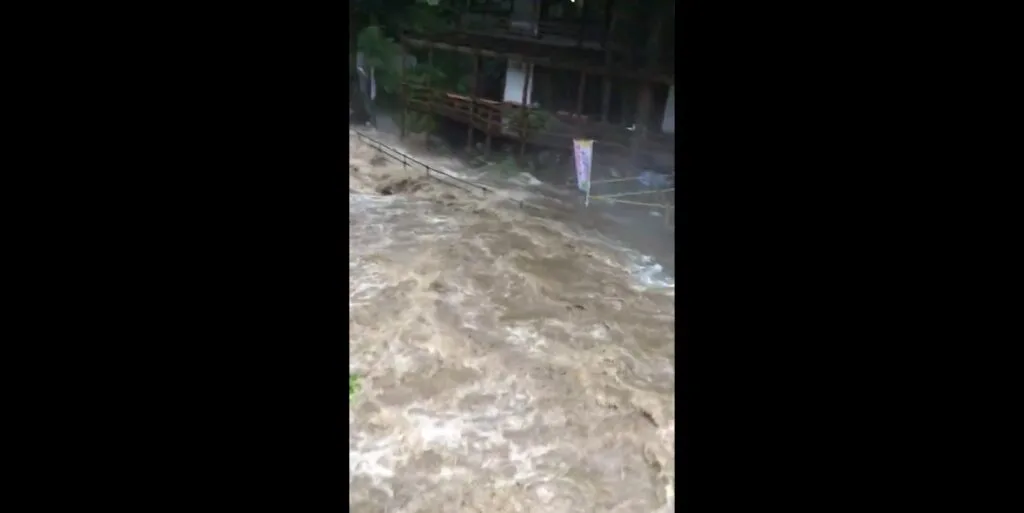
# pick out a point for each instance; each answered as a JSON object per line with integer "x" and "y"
{"x": 511, "y": 358}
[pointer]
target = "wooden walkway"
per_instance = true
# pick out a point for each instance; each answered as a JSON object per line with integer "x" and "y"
{"x": 504, "y": 119}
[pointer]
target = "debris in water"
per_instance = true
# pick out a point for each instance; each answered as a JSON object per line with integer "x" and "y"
{"x": 403, "y": 185}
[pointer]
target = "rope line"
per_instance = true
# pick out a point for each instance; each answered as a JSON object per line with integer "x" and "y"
{"x": 405, "y": 159}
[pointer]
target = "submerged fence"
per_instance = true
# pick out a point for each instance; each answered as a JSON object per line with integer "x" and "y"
{"x": 406, "y": 160}
{"x": 455, "y": 181}
{"x": 646, "y": 185}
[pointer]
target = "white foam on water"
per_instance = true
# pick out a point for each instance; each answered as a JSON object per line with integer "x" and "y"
{"x": 526, "y": 179}
{"x": 650, "y": 274}
{"x": 483, "y": 386}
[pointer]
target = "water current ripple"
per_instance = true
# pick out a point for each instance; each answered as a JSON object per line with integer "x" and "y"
{"x": 510, "y": 361}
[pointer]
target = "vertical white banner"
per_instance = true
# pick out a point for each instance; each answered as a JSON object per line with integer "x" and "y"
{"x": 583, "y": 154}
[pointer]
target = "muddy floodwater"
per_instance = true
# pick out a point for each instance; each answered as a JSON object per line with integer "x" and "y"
{"x": 511, "y": 358}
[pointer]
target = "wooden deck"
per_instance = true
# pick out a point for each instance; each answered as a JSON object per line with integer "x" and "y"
{"x": 504, "y": 119}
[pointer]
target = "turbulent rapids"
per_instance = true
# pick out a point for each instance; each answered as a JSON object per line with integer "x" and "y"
{"x": 511, "y": 358}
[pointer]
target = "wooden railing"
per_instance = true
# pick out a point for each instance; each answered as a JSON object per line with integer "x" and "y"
{"x": 489, "y": 116}
{"x": 505, "y": 119}
{"x": 482, "y": 114}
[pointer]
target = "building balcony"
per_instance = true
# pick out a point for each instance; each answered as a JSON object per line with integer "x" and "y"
{"x": 566, "y": 34}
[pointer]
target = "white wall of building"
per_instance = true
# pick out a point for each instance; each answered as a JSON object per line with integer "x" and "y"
{"x": 514, "y": 77}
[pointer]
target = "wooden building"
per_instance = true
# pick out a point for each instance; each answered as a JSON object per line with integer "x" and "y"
{"x": 564, "y": 74}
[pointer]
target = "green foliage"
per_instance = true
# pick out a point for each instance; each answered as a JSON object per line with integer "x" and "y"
{"x": 464, "y": 84}
{"x": 536, "y": 119}
{"x": 419, "y": 122}
{"x": 383, "y": 54}
{"x": 455, "y": 69}
{"x": 353, "y": 386}
{"x": 423, "y": 73}
{"x": 423, "y": 18}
